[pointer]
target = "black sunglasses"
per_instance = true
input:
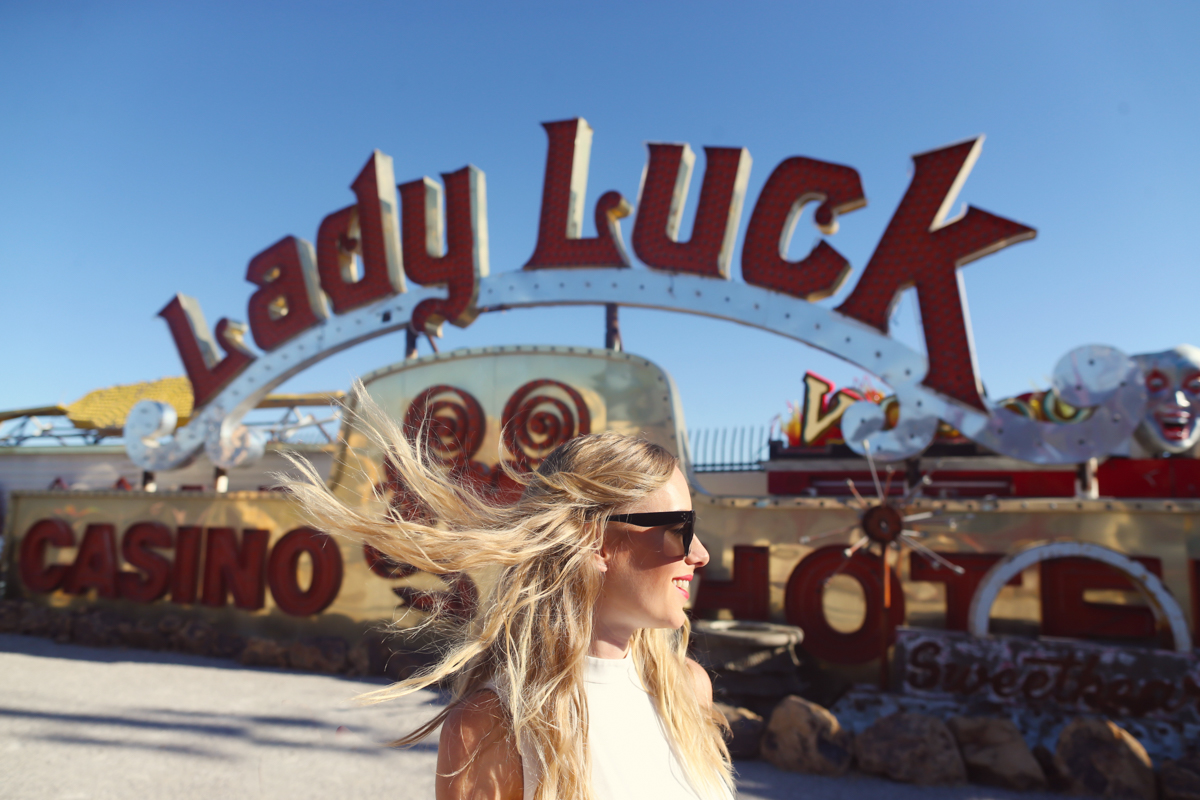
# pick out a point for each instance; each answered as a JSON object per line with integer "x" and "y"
{"x": 657, "y": 519}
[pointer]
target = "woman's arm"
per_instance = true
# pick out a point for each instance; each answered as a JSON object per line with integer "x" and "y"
{"x": 477, "y": 755}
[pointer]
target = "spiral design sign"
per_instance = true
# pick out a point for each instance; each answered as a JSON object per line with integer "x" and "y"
{"x": 453, "y": 421}
{"x": 537, "y": 419}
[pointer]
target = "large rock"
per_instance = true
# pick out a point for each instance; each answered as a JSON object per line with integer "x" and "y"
{"x": 804, "y": 737}
{"x": 62, "y": 625}
{"x": 1102, "y": 759}
{"x": 194, "y": 636}
{"x": 371, "y": 655}
{"x": 745, "y": 730}
{"x": 35, "y": 619}
{"x": 228, "y": 645}
{"x": 359, "y": 659}
{"x": 1180, "y": 780}
{"x": 10, "y": 616}
{"x": 1055, "y": 780}
{"x": 995, "y": 753}
{"x": 403, "y": 664}
{"x": 382, "y": 653}
{"x": 142, "y": 634}
{"x": 97, "y": 628}
{"x": 913, "y": 748}
{"x": 319, "y": 654}
{"x": 169, "y": 625}
{"x": 260, "y": 652}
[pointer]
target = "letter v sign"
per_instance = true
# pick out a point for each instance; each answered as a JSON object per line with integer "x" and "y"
{"x": 821, "y": 411}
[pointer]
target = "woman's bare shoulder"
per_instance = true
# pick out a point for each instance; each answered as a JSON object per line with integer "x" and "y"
{"x": 477, "y": 753}
{"x": 476, "y": 715}
{"x": 703, "y": 682}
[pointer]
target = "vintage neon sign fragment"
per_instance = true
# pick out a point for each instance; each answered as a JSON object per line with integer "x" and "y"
{"x": 362, "y": 256}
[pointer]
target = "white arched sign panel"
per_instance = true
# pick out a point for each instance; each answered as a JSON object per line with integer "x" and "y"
{"x": 217, "y": 427}
{"x": 1166, "y": 610}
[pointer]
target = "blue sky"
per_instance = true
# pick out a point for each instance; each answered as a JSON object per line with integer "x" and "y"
{"x": 153, "y": 148}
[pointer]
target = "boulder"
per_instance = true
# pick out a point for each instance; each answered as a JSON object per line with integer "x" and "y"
{"x": 1102, "y": 759}
{"x": 400, "y": 665}
{"x": 227, "y": 645}
{"x": 194, "y": 636}
{"x": 995, "y": 754}
{"x": 358, "y": 659}
{"x": 319, "y": 654}
{"x": 1180, "y": 780}
{"x": 804, "y": 737}
{"x": 96, "y": 628}
{"x": 372, "y": 655}
{"x": 1055, "y": 780}
{"x": 142, "y": 634}
{"x": 10, "y": 616}
{"x": 62, "y": 625}
{"x": 745, "y": 730}
{"x": 34, "y": 619}
{"x": 169, "y": 625}
{"x": 260, "y": 652}
{"x": 913, "y": 748}
{"x": 384, "y": 653}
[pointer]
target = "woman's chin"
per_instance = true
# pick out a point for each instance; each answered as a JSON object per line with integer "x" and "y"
{"x": 677, "y": 621}
{"x": 668, "y": 622}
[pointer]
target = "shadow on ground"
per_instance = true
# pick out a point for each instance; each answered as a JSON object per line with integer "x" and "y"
{"x": 48, "y": 648}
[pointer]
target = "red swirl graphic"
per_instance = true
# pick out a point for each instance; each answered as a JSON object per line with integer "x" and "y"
{"x": 405, "y": 503}
{"x": 537, "y": 422}
{"x": 459, "y": 602}
{"x": 454, "y": 423}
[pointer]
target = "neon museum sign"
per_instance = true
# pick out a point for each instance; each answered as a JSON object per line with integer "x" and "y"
{"x": 310, "y": 302}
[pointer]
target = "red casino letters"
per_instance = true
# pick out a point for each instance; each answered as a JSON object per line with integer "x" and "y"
{"x": 240, "y": 566}
{"x": 237, "y": 567}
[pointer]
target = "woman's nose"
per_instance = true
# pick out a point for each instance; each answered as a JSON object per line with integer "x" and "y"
{"x": 698, "y": 555}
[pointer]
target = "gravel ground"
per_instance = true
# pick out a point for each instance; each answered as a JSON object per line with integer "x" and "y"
{"x": 81, "y": 722}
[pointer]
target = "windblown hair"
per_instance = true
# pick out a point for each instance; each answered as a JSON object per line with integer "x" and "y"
{"x": 530, "y": 637}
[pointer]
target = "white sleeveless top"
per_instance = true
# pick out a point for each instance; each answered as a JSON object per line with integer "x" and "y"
{"x": 632, "y": 758}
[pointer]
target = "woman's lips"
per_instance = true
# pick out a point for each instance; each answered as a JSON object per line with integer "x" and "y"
{"x": 682, "y": 583}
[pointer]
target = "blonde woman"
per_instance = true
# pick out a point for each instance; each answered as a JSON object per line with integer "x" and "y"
{"x": 571, "y": 682}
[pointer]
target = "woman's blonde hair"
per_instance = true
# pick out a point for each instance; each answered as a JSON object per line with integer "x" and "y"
{"x": 530, "y": 637}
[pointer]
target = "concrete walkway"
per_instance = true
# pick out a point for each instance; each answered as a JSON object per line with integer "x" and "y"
{"x": 80, "y": 722}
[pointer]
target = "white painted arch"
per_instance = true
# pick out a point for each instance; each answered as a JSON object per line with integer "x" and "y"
{"x": 154, "y": 442}
{"x": 1164, "y": 605}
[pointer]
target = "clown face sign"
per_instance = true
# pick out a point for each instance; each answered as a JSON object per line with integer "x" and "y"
{"x": 1172, "y": 420}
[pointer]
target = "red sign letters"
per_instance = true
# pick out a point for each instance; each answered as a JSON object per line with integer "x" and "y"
{"x": 361, "y": 256}
{"x": 238, "y": 567}
{"x": 1064, "y": 582}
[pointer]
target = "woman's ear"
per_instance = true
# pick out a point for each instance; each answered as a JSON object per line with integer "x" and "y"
{"x": 601, "y": 556}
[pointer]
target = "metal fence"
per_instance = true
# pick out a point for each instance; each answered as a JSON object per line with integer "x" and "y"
{"x": 293, "y": 427}
{"x": 729, "y": 449}
{"x": 49, "y": 429}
